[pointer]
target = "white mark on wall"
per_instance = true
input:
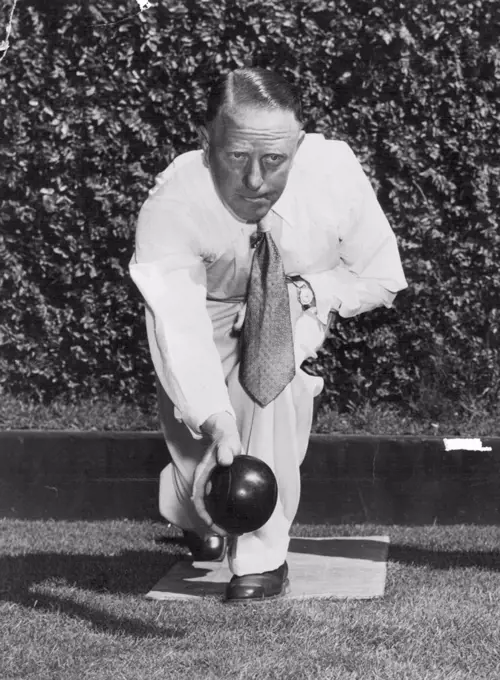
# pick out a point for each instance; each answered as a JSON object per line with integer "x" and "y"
{"x": 465, "y": 445}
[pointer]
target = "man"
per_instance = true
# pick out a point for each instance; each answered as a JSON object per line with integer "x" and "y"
{"x": 227, "y": 331}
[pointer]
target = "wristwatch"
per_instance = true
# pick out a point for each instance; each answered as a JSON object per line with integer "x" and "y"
{"x": 305, "y": 292}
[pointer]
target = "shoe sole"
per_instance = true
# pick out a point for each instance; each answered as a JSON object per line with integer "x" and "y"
{"x": 258, "y": 600}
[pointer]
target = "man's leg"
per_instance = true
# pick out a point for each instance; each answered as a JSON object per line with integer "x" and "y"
{"x": 277, "y": 434}
{"x": 176, "y": 480}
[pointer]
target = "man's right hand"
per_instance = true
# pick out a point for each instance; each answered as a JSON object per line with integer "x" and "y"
{"x": 225, "y": 444}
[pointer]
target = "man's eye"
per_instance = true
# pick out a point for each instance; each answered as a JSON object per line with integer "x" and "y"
{"x": 237, "y": 155}
{"x": 273, "y": 158}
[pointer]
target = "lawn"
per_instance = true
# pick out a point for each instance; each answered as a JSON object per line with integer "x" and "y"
{"x": 72, "y": 608}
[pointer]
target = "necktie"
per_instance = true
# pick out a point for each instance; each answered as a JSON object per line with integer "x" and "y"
{"x": 267, "y": 356}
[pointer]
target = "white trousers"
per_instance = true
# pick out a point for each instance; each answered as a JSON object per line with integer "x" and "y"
{"x": 277, "y": 434}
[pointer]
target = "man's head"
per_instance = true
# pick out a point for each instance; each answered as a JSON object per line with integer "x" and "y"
{"x": 252, "y": 132}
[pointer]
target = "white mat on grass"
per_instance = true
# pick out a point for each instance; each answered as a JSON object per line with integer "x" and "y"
{"x": 341, "y": 568}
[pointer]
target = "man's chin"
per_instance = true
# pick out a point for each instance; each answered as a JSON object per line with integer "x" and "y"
{"x": 249, "y": 212}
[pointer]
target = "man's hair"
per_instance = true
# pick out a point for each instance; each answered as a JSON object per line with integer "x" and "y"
{"x": 253, "y": 87}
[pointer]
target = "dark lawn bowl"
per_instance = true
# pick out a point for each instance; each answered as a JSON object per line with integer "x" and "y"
{"x": 241, "y": 497}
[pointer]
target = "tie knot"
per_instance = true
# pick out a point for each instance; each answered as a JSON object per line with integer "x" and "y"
{"x": 264, "y": 226}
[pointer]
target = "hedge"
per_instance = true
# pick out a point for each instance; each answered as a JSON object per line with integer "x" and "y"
{"x": 97, "y": 98}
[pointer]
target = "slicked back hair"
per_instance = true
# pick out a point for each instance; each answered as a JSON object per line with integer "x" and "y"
{"x": 252, "y": 87}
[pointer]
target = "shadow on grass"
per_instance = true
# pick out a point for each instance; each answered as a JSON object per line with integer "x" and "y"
{"x": 128, "y": 573}
{"x": 135, "y": 572}
{"x": 444, "y": 559}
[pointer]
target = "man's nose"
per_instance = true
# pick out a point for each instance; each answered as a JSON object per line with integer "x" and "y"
{"x": 253, "y": 178}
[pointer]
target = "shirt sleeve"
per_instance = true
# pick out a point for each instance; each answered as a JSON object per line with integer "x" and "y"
{"x": 370, "y": 273}
{"x": 168, "y": 268}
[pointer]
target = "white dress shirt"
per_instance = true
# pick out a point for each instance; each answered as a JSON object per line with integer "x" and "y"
{"x": 191, "y": 254}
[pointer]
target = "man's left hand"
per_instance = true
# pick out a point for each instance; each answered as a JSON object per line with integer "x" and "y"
{"x": 240, "y": 319}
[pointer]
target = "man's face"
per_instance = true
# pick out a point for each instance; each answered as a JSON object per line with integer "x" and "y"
{"x": 250, "y": 152}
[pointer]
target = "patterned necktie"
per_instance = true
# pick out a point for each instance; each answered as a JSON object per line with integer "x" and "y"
{"x": 267, "y": 356}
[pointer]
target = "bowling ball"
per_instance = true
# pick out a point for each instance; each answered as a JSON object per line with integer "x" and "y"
{"x": 241, "y": 497}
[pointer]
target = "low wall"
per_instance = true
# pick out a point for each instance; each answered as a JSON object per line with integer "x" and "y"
{"x": 345, "y": 479}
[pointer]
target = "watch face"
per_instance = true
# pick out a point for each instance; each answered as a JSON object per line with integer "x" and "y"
{"x": 306, "y": 296}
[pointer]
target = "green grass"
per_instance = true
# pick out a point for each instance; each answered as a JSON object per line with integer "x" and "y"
{"x": 72, "y": 608}
{"x": 105, "y": 414}
{"x": 388, "y": 420}
{"x": 86, "y": 414}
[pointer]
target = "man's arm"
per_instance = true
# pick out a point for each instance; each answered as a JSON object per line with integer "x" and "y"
{"x": 370, "y": 273}
{"x": 168, "y": 269}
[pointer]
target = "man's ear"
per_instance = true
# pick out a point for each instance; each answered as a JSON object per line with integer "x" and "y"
{"x": 204, "y": 142}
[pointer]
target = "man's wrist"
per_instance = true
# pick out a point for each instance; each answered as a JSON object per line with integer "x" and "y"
{"x": 218, "y": 421}
{"x": 305, "y": 292}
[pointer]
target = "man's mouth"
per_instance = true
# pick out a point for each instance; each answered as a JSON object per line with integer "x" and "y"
{"x": 255, "y": 199}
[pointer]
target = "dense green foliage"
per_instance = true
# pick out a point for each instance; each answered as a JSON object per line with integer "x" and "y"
{"x": 97, "y": 98}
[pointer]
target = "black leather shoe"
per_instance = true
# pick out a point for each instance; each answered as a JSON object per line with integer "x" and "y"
{"x": 212, "y": 548}
{"x": 258, "y": 587}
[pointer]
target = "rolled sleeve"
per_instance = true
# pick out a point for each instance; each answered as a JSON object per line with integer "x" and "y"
{"x": 370, "y": 273}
